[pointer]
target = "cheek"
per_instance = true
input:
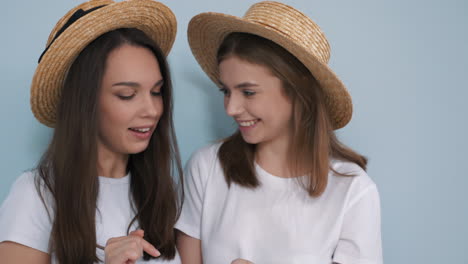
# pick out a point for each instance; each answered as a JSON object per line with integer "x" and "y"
{"x": 287, "y": 115}
{"x": 160, "y": 107}
{"x": 157, "y": 107}
{"x": 113, "y": 114}
{"x": 108, "y": 124}
{"x": 279, "y": 110}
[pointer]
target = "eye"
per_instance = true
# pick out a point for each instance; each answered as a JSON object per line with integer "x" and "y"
{"x": 126, "y": 97}
{"x": 224, "y": 91}
{"x": 156, "y": 93}
{"x": 248, "y": 93}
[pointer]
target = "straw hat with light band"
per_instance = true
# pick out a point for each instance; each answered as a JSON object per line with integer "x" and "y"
{"x": 79, "y": 27}
{"x": 288, "y": 28}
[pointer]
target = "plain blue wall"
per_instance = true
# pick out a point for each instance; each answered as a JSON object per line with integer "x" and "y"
{"x": 404, "y": 62}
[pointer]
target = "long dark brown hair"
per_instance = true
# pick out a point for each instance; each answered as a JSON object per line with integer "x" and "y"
{"x": 68, "y": 168}
{"x": 313, "y": 140}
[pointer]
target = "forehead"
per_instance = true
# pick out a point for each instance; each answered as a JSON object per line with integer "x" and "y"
{"x": 131, "y": 64}
{"x": 235, "y": 69}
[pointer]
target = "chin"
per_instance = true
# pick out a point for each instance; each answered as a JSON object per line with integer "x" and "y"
{"x": 250, "y": 140}
{"x": 136, "y": 150}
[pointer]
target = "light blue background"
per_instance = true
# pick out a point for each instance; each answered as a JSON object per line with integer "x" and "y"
{"x": 404, "y": 62}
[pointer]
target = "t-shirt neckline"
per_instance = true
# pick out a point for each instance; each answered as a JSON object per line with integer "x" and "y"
{"x": 107, "y": 180}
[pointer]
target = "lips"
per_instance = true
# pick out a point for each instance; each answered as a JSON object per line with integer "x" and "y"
{"x": 247, "y": 123}
{"x": 142, "y": 132}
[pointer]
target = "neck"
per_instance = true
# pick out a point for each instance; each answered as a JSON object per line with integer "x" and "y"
{"x": 111, "y": 164}
{"x": 273, "y": 157}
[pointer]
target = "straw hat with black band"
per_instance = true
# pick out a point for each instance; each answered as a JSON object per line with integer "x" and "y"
{"x": 79, "y": 27}
{"x": 288, "y": 28}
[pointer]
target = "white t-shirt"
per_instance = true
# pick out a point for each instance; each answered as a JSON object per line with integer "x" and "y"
{"x": 278, "y": 222}
{"x": 24, "y": 219}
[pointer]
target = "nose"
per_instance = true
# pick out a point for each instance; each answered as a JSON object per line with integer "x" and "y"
{"x": 233, "y": 105}
{"x": 151, "y": 106}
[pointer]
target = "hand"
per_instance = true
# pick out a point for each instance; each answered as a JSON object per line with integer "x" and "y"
{"x": 241, "y": 261}
{"x": 128, "y": 249}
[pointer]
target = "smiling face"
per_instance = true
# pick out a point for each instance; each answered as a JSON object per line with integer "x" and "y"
{"x": 254, "y": 97}
{"x": 130, "y": 101}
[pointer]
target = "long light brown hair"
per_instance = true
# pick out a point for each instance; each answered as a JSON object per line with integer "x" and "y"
{"x": 313, "y": 140}
{"x": 68, "y": 168}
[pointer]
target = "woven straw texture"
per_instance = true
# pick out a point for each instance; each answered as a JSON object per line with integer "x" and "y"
{"x": 153, "y": 18}
{"x": 285, "y": 26}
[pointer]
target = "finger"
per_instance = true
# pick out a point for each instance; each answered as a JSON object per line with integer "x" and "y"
{"x": 123, "y": 255}
{"x": 114, "y": 240}
{"x": 138, "y": 232}
{"x": 150, "y": 249}
{"x": 123, "y": 250}
{"x": 129, "y": 251}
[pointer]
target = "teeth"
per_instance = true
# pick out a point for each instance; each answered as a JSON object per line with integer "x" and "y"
{"x": 247, "y": 123}
{"x": 142, "y": 130}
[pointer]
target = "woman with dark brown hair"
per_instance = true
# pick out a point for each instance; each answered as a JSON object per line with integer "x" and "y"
{"x": 282, "y": 188}
{"x": 104, "y": 190}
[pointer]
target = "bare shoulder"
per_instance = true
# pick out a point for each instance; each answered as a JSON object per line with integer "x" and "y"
{"x": 13, "y": 253}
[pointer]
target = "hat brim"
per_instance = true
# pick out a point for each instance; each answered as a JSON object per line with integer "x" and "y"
{"x": 153, "y": 18}
{"x": 206, "y": 32}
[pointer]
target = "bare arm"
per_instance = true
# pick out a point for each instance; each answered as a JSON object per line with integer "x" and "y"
{"x": 13, "y": 253}
{"x": 189, "y": 249}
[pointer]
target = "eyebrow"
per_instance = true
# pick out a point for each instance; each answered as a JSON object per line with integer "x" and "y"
{"x": 136, "y": 85}
{"x": 241, "y": 85}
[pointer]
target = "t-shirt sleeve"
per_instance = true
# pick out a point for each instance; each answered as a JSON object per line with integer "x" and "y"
{"x": 194, "y": 189}
{"x": 23, "y": 216}
{"x": 360, "y": 239}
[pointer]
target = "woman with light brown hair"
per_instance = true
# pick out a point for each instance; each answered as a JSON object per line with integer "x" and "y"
{"x": 282, "y": 188}
{"x": 104, "y": 189}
